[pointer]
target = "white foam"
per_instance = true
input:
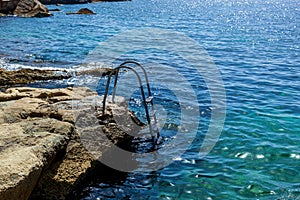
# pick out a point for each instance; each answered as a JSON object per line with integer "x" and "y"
{"x": 4, "y": 63}
{"x": 85, "y": 80}
{"x": 295, "y": 156}
{"x": 89, "y": 66}
{"x": 242, "y": 155}
{"x": 260, "y": 156}
{"x": 177, "y": 159}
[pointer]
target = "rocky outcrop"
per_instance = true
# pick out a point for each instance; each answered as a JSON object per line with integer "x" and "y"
{"x": 75, "y": 1}
{"x": 23, "y": 157}
{"x": 82, "y": 11}
{"x": 48, "y": 138}
{"x": 31, "y": 8}
{"x": 24, "y": 76}
{"x": 36, "y": 8}
{"x": 24, "y": 8}
{"x": 8, "y": 6}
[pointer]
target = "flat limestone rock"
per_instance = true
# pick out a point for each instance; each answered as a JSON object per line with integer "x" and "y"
{"x": 19, "y": 173}
{"x": 49, "y": 139}
{"x": 23, "y": 157}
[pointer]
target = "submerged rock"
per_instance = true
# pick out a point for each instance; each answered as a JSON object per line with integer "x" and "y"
{"x": 82, "y": 11}
{"x": 50, "y": 139}
{"x": 98, "y": 72}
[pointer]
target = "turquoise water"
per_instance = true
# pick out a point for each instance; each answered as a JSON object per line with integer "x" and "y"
{"x": 256, "y": 47}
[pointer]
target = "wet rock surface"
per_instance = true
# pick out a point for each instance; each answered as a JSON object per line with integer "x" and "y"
{"x": 27, "y": 75}
{"x": 50, "y": 141}
{"x": 24, "y": 76}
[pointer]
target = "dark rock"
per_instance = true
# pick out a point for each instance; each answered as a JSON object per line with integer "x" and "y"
{"x": 31, "y": 8}
{"x": 82, "y": 11}
{"x": 25, "y": 76}
{"x": 8, "y": 6}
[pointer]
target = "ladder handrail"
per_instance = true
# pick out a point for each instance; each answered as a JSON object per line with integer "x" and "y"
{"x": 141, "y": 88}
{"x": 147, "y": 84}
{"x": 144, "y": 71}
{"x": 145, "y": 75}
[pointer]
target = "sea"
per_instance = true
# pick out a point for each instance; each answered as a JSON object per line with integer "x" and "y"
{"x": 225, "y": 75}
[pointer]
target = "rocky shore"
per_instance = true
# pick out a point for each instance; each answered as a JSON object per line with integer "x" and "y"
{"x": 44, "y": 137}
{"x": 23, "y": 8}
{"x": 75, "y": 1}
{"x": 25, "y": 76}
{"x": 36, "y": 8}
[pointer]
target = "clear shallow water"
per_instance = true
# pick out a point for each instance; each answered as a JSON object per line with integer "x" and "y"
{"x": 255, "y": 45}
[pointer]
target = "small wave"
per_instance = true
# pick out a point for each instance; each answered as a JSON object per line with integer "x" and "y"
{"x": 89, "y": 66}
{"x": 7, "y": 65}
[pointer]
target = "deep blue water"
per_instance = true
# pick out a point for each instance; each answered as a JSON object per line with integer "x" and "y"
{"x": 255, "y": 44}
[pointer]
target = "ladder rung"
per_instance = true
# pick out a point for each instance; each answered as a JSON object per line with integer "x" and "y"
{"x": 149, "y": 99}
{"x": 158, "y": 140}
{"x": 153, "y": 112}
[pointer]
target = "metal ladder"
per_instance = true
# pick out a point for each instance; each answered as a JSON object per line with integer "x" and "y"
{"x": 147, "y": 101}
